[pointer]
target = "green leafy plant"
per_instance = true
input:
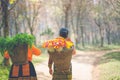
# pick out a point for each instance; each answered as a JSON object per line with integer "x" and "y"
{"x": 2, "y": 45}
{"x": 19, "y": 39}
{"x": 9, "y": 43}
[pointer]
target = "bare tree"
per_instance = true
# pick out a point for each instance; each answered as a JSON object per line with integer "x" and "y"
{"x": 5, "y": 22}
{"x": 67, "y": 7}
{"x": 4, "y": 5}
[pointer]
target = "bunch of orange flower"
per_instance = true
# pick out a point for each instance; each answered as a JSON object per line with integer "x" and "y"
{"x": 57, "y": 44}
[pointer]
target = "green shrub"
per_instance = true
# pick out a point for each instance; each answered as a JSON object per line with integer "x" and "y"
{"x": 9, "y": 43}
{"x": 2, "y": 45}
{"x": 23, "y": 38}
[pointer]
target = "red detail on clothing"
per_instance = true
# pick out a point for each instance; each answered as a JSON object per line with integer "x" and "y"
{"x": 6, "y": 55}
{"x": 26, "y": 70}
{"x": 15, "y": 71}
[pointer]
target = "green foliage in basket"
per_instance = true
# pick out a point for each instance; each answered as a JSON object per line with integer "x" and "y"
{"x": 2, "y": 45}
{"x": 10, "y": 43}
{"x": 19, "y": 39}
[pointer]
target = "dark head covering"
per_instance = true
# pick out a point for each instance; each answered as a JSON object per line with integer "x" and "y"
{"x": 63, "y": 32}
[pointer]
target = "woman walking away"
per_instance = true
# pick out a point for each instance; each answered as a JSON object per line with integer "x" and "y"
{"x": 22, "y": 67}
{"x": 61, "y": 57}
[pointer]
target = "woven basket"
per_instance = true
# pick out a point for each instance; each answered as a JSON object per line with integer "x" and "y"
{"x": 19, "y": 55}
{"x": 62, "y": 60}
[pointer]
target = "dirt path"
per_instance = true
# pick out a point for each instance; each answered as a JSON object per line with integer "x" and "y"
{"x": 82, "y": 66}
{"x": 42, "y": 71}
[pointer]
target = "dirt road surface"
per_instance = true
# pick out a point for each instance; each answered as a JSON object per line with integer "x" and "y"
{"x": 82, "y": 66}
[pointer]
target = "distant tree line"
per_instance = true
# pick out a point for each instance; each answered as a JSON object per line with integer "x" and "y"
{"x": 89, "y": 22}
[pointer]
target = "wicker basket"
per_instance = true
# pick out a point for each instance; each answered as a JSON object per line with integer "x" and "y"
{"x": 19, "y": 55}
{"x": 62, "y": 60}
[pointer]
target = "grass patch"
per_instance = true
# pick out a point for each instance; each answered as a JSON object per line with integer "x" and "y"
{"x": 109, "y": 66}
{"x": 4, "y": 71}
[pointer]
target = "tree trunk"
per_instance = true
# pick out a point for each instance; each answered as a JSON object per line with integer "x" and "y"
{"x": 82, "y": 36}
{"x": 108, "y": 35}
{"x": 77, "y": 38}
{"x": 16, "y": 27}
{"x": 4, "y": 5}
{"x": 67, "y": 9}
{"x": 101, "y": 37}
{"x": 66, "y": 18}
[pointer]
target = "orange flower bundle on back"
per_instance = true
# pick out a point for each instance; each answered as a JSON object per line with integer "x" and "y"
{"x": 57, "y": 44}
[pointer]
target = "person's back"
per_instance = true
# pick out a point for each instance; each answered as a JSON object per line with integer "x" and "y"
{"x": 62, "y": 60}
{"x": 22, "y": 67}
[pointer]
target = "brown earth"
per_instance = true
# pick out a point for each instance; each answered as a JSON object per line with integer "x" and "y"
{"x": 83, "y": 66}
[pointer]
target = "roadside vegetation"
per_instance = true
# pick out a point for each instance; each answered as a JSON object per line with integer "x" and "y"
{"x": 109, "y": 67}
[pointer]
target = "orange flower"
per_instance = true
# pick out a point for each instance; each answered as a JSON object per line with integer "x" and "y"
{"x": 57, "y": 43}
